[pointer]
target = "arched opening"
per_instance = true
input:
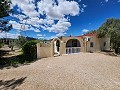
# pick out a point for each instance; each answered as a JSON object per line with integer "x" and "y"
{"x": 73, "y": 46}
{"x": 56, "y": 47}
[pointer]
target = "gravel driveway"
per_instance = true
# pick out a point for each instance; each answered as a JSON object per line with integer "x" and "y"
{"x": 84, "y": 71}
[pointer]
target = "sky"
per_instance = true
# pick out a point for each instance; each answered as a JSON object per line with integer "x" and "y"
{"x": 47, "y": 19}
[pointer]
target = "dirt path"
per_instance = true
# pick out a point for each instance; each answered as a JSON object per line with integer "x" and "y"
{"x": 84, "y": 71}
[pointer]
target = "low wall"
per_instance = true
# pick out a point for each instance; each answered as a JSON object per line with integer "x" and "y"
{"x": 43, "y": 50}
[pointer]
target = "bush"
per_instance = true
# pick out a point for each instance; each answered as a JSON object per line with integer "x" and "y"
{"x": 12, "y": 60}
{"x": 1, "y": 44}
{"x": 29, "y": 54}
{"x": 30, "y": 51}
{"x": 117, "y": 50}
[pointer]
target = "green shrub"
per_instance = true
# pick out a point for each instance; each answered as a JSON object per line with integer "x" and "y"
{"x": 29, "y": 54}
{"x": 12, "y": 60}
{"x": 1, "y": 44}
{"x": 30, "y": 51}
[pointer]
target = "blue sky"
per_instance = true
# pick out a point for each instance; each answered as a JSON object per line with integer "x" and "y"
{"x": 53, "y": 18}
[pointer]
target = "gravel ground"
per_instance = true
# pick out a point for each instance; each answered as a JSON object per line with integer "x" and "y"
{"x": 84, "y": 71}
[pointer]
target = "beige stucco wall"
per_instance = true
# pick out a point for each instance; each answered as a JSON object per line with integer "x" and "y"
{"x": 95, "y": 47}
{"x": 102, "y": 40}
{"x": 85, "y": 45}
{"x": 98, "y": 44}
{"x": 43, "y": 51}
{"x": 48, "y": 51}
{"x": 66, "y": 39}
{"x": 88, "y": 48}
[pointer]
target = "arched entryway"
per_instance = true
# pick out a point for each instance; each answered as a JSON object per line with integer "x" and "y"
{"x": 56, "y": 46}
{"x": 73, "y": 46}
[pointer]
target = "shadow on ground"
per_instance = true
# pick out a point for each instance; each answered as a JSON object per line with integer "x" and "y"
{"x": 110, "y": 53}
{"x": 4, "y": 52}
{"x": 12, "y": 62}
{"x": 8, "y": 60}
{"x": 11, "y": 84}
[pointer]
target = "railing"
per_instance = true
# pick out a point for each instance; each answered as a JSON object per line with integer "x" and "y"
{"x": 70, "y": 50}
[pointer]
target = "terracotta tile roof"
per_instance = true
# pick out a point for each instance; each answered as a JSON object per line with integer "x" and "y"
{"x": 91, "y": 34}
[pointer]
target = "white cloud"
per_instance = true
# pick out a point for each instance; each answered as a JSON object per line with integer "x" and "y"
{"x": 23, "y": 27}
{"x": 8, "y": 35}
{"x": 19, "y": 26}
{"x": 16, "y": 25}
{"x": 56, "y": 12}
{"x": 51, "y": 12}
{"x": 118, "y": 0}
{"x": 40, "y": 35}
{"x": 84, "y": 5}
{"x": 36, "y": 30}
{"x": 85, "y": 30}
{"x": 106, "y": 0}
{"x": 27, "y": 7}
{"x": 61, "y": 26}
{"x": 60, "y": 34}
{"x": 35, "y": 20}
{"x": 19, "y": 16}
{"x": 82, "y": 10}
{"x": 51, "y": 37}
{"x": 55, "y": 36}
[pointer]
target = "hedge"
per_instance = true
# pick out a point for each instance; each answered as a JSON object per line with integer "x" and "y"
{"x": 30, "y": 50}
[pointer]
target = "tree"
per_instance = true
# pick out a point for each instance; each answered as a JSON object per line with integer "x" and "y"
{"x": 111, "y": 28}
{"x": 21, "y": 41}
{"x": 4, "y": 12}
{"x": 92, "y": 32}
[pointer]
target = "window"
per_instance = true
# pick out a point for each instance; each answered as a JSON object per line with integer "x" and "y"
{"x": 91, "y": 44}
{"x": 74, "y": 43}
{"x": 104, "y": 44}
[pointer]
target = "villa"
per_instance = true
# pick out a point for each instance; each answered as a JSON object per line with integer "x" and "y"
{"x": 70, "y": 45}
